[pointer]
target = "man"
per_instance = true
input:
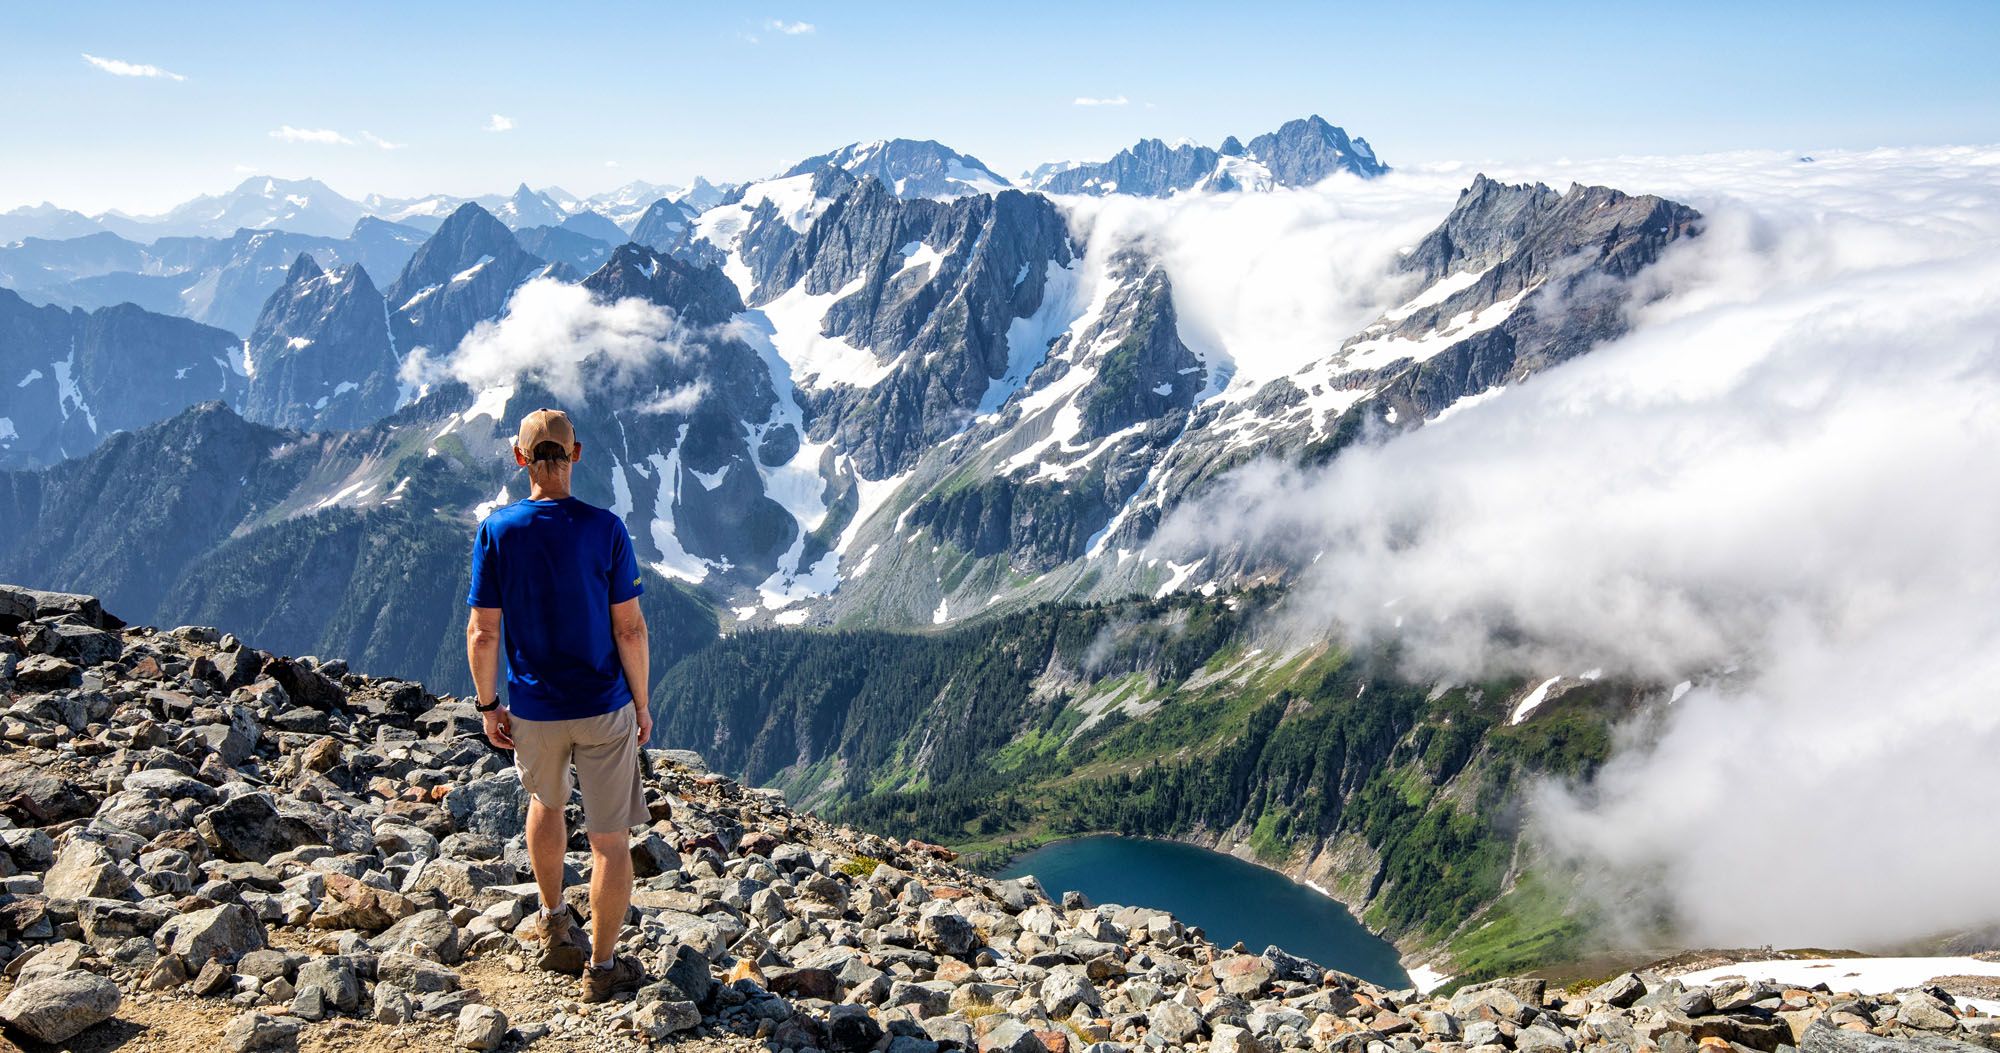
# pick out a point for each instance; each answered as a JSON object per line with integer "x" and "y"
{"x": 558, "y": 578}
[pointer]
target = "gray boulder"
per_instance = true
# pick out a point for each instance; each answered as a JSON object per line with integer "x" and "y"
{"x": 1824, "y": 1037}
{"x": 481, "y": 1027}
{"x": 251, "y": 1031}
{"x": 58, "y": 1008}
{"x": 496, "y": 806}
{"x": 223, "y": 933}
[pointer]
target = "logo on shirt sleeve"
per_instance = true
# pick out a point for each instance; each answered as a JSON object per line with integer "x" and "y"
{"x": 635, "y": 581}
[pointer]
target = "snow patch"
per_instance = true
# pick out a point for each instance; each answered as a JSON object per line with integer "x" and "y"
{"x": 1177, "y": 575}
{"x": 797, "y": 330}
{"x": 1534, "y": 700}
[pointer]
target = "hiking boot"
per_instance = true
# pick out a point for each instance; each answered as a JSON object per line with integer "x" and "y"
{"x": 565, "y": 946}
{"x": 624, "y": 977}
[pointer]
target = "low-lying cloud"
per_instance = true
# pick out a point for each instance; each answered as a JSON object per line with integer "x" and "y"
{"x": 1781, "y": 485}
{"x": 572, "y": 343}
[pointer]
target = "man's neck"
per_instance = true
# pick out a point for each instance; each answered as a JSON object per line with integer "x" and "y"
{"x": 552, "y": 489}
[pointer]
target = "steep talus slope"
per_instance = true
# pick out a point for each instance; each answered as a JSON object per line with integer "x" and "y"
{"x": 205, "y": 839}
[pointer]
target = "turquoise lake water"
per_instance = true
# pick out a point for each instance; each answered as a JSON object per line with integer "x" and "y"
{"x": 1231, "y": 900}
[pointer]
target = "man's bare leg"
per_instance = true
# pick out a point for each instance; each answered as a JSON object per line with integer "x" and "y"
{"x": 610, "y": 890}
{"x": 546, "y": 838}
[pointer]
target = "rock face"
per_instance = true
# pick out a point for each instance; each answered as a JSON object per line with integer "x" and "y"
{"x": 69, "y": 379}
{"x": 762, "y": 926}
{"x": 463, "y": 275}
{"x": 320, "y": 354}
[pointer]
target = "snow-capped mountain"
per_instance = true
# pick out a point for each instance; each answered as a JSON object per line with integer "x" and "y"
{"x": 891, "y": 399}
{"x": 44, "y": 221}
{"x": 1300, "y": 153}
{"x": 298, "y": 206}
{"x": 909, "y": 167}
{"x": 626, "y": 204}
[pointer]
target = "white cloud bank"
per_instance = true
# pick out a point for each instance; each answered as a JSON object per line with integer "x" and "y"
{"x": 574, "y": 345}
{"x": 497, "y": 123}
{"x": 1784, "y": 483}
{"x": 129, "y": 69}
{"x": 791, "y": 29}
{"x": 1103, "y": 100}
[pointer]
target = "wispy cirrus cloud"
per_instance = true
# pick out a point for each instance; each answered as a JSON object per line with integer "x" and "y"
{"x": 790, "y": 29}
{"x": 118, "y": 68}
{"x": 1100, "y": 100}
{"x": 323, "y": 136}
{"x": 498, "y": 123}
{"x": 377, "y": 141}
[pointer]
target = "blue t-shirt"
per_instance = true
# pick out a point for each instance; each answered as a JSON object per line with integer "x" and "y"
{"x": 554, "y": 568}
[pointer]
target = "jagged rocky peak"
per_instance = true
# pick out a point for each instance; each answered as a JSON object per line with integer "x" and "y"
{"x": 699, "y": 293}
{"x": 930, "y": 289}
{"x": 467, "y": 235}
{"x": 530, "y": 208}
{"x": 1300, "y": 153}
{"x": 1305, "y": 151}
{"x": 912, "y": 168}
{"x": 1493, "y": 220}
{"x": 463, "y": 275}
{"x": 320, "y": 355}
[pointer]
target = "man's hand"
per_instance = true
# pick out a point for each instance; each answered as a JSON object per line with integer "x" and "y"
{"x": 500, "y": 728}
{"x": 645, "y": 722}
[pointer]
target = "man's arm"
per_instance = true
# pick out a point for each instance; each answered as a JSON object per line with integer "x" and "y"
{"x": 482, "y": 652}
{"x": 628, "y": 628}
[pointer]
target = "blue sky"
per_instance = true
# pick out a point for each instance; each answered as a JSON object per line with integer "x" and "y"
{"x": 671, "y": 90}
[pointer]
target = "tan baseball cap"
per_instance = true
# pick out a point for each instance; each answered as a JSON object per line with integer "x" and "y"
{"x": 545, "y": 425}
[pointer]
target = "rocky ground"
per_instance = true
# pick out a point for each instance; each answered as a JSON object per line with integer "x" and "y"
{"x": 201, "y": 839}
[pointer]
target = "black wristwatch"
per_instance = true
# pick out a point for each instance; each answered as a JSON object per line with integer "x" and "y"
{"x": 486, "y": 709}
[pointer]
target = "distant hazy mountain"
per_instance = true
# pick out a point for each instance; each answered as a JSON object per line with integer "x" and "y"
{"x": 1299, "y": 153}
{"x": 221, "y": 281}
{"x": 298, "y": 206}
{"x": 44, "y": 221}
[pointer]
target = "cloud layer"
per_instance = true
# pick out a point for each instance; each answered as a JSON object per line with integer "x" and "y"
{"x": 571, "y": 343}
{"x": 1781, "y": 485}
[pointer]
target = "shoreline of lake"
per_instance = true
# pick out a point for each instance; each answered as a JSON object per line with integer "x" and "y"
{"x": 1150, "y": 874}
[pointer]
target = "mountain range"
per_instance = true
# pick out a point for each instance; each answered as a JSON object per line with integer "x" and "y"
{"x": 900, "y": 395}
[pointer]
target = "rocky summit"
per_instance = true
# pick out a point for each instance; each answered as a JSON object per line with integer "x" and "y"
{"x": 201, "y": 839}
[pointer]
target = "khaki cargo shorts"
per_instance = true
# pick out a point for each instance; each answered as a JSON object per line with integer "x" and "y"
{"x": 605, "y": 753}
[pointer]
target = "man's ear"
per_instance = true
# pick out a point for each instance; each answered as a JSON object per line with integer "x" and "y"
{"x": 520, "y": 459}
{"x": 575, "y": 452}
